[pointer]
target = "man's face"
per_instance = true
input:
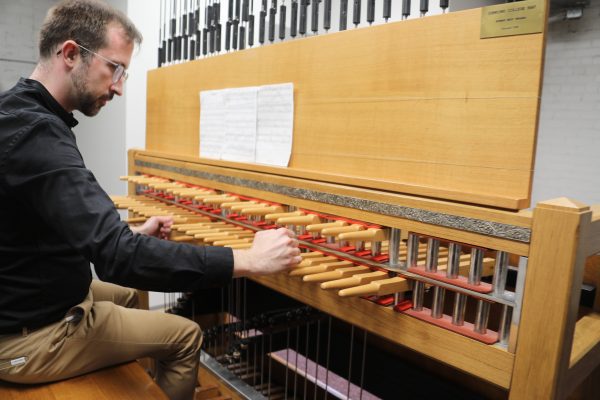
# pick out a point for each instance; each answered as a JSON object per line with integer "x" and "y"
{"x": 93, "y": 78}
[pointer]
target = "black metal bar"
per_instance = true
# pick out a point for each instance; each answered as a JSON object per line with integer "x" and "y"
{"x": 294, "y": 19}
{"x": 261, "y": 26}
{"x": 424, "y": 7}
{"x": 303, "y": 16}
{"x": 272, "y": 16}
{"x": 282, "y": 15}
{"x": 327, "y": 15}
{"x": 234, "y": 41}
{"x": 314, "y": 19}
{"x": 343, "y": 15}
{"x": 387, "y": 9}
{"x": 251, "y": 30}
{"x": 228, "y": 25}
{"x": 405, "y": 8}
{"x": 444, "y": 4}
{"x": 370, "y": 11}
{"x": 356, "y": 13}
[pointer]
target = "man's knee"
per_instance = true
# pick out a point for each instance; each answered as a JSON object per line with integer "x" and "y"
{"x": 194, "y": 335}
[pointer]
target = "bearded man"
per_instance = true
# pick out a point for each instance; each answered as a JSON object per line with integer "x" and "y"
{"x": 55, "y": 321}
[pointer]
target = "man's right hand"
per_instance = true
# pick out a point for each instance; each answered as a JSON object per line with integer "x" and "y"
{"x": 272, "y": 251}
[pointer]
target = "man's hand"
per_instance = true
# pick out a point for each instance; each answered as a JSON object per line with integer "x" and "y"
{"x": 159, "y": 227}
{"x": 272, "y": 251}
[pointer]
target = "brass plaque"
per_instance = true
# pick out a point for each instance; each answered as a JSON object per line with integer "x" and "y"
{"x": 517, "y": 18}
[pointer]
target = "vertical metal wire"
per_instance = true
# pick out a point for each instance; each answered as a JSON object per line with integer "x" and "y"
{"x": 254, "y": 369}
{"x": 222, "y": 324}
{"x": 505, "y": 321}
{"x": 245, "y": 335}
{"x": 297, "y": 348}
{"x": 327, "y": 358}
{"x": 270, "y": 359}
{"x": 262, "y": 363}
{"x": 306, "y": 360}
{"x": 287, "y": 360}
{"x": 350, "y": 360}
{"x": 317, "y": 358}
{"x": 362, "y": 368}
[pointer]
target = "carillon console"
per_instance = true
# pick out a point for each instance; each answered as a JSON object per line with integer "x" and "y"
{"x": 408, "y": 188}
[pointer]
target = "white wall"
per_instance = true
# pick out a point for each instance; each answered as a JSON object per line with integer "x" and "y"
{"x": 568, "y": 147}
{"x": 145, "y": 15}
{"x": 19, "y": 27}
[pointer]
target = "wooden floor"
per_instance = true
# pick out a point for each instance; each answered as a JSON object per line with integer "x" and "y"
{"x": 123, "y": 382}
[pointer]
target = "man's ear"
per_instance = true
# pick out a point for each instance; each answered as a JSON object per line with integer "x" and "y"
{"x": 69, "y": 53}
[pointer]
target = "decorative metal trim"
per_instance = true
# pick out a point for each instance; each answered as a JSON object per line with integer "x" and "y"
{"x": 495, "y": 229}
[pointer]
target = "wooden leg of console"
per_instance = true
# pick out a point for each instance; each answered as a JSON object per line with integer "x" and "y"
{"x": 548, "y": 317}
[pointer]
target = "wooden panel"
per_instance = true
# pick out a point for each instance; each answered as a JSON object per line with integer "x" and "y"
{"x": 124, "y": 382}
{"x": 487, "y": 362}
{"x": 420, "y": 106}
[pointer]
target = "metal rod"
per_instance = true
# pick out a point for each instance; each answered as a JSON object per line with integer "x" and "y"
{"x": 317, "y": 358}
{"x": 453, "y": 260}
{"x": 387, "y": 9}
{"x": 458, "y": 311}
{"x": 327, "y": 15}
{"x": 500, "y": 273}
{"x": 394, "y": 247}
{"x": 476, "y": 267}
{"x": 350, "y": 356}
{"x": 294, "y": 19}
{"x": 412, "y": 255}
{"x": 343, "y": 15}
{"x": 482, "y": 316}
{"x": 314, "y": 21}
{"x": 282, "y": 15}
{"x": 418, "y": 293}
{"x": 433, "y": 252}
{"x": 424, "y": 7}
{"x": 356, "y": 13}
{"x": 405, "y": 9}
{"x": 437, "y": 307}
{"x": 505, "y": 322}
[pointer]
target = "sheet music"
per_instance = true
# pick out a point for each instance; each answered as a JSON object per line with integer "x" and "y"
{"x": 250, "y": 124}
{"x": 212, "y": 123}
{"x": 240, "y": 124}
{"x": 275, "y": 124}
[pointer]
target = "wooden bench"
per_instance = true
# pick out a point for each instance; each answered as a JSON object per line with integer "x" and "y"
{"x": 124, "y": 382}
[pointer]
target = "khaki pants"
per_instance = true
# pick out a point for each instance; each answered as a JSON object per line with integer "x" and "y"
{"x": 105, "y": 330}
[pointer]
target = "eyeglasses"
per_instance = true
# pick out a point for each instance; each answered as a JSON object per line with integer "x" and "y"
{"x": 118, "y": 74}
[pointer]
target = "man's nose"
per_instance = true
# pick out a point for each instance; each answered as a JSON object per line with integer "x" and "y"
{"x": 117, "y": 88}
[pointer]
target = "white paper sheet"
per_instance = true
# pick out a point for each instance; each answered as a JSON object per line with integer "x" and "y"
{"x": 212, "y": 123}
{"x": 275, "y": 124}
{"x": 240, "y": 124}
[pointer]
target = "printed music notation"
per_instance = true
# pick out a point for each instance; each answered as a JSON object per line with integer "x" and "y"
{"x": 250, "y": 124}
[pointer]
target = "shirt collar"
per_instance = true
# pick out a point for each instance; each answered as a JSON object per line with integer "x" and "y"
{"x": 49, "y": 101}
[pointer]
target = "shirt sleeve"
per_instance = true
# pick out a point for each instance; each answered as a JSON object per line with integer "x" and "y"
{"x": 46, "y": 170}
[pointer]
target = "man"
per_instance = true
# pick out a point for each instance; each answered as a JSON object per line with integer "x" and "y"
{"x": 54, "y": 322}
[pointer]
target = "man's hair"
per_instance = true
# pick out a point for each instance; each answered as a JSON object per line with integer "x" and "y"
{"x": 85, "y": 22}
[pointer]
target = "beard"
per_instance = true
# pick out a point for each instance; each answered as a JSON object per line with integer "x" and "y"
{"x": 87, "y": 102}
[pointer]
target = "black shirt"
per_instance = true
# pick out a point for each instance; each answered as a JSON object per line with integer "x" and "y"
{"x": 55, "y": 219}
